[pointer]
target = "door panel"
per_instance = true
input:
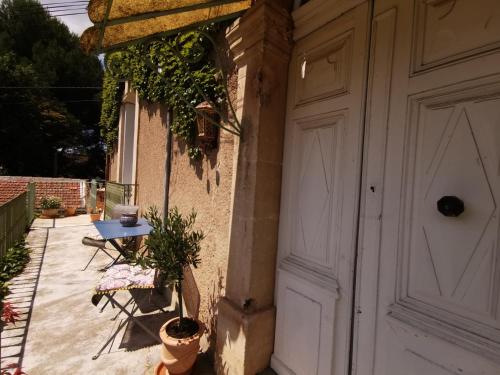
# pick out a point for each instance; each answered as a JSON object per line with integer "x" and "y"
{"x": 447, "y": 30}
{"x": 428, "y": 278}
{"x": 318, "y": 146}
{"x": 451, "y": 260}
{"x": 321, "y": 177}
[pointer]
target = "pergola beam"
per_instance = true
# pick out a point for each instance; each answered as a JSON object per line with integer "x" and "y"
{"x": 122, "y": 22}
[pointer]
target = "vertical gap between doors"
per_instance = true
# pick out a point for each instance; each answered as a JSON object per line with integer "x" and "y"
{"x": 360, "y": 185}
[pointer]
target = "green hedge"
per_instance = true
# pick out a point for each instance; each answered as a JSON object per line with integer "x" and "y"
{"x": 11, "y": 265}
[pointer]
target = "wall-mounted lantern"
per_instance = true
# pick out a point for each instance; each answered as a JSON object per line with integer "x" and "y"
{"x": 205, "y": 118}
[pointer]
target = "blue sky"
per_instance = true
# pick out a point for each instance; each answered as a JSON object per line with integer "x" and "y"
{"x": 62, "y": 8}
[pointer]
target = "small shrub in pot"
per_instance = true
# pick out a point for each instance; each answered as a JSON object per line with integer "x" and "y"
{"x": 173, "y": 245}
{"x": 49, "y": 202}
{"x": 50, "y": 206}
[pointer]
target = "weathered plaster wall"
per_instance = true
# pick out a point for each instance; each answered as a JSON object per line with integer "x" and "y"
{"x": 205, "y": 186}
{"x": 151, "y": 156}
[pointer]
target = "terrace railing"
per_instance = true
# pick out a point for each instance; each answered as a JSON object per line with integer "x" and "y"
{"x": 13, "y": 222}
{"x": 30, "y": 203}
{"x": 16, "y": 216}
{"x": 117, "y": 193}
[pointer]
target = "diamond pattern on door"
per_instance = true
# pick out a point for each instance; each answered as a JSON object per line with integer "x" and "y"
{"x": 456, "y": 170}
{"x": 314, "y": 193}
{"x": 452, "y": 259}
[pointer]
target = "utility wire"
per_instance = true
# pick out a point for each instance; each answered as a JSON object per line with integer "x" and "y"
{"x": 58, "y": 6}
{"x": 58, "y": 100}
{"x": 53, "y": 87}
{"x": 53, "y": 6}
{"x": 64, "y": 2}
{"x": 55, "y": 15}
{"x": 51, "y": 12}
{"x": 57, "y": 9}
{"x": 68, "y": 14}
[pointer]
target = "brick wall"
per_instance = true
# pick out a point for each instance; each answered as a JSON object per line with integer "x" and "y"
{"x": 71, "y": 191}
{"x": 11, "y": 189}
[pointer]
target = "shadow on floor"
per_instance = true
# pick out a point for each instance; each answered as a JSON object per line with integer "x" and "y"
{"x": 23, "y": 291}
{"x": 134, "y": 337}
{"x": 150, "y": 300}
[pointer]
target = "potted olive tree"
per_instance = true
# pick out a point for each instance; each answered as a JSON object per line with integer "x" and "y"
{"x": 172, "y": 245}
{"x": 50, "y": 206}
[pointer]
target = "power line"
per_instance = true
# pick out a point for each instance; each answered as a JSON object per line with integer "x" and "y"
{"x": 58, "y": 100}
{"x": 68, "y": 14}
{"x": 65, "y": 2}
{"x": 66, "y": 9}
{"x": 63, "y": 12}
{"x": 53, "y": 6}
{"x": 53, "y": 87}
{"x": 61, "y": 6}
{"x": 56, "y": 9}
{"x": 52, "y": 15}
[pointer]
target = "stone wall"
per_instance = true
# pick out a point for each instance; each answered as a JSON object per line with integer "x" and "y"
{"x": 71, "y": 191}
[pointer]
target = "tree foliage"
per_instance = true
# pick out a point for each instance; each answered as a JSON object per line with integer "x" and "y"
{"x": 38, "y": 53}
{"x": 172, "y": 245}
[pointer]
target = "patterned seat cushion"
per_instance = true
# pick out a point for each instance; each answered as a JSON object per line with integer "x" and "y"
{"x": 125, "y": 276}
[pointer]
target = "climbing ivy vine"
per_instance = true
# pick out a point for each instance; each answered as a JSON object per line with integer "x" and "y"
{"x": 179, "y": 72}
{"x": 112, "y": 93}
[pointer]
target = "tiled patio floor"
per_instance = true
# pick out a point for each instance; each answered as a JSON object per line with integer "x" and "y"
{"x": 61, "y": 329}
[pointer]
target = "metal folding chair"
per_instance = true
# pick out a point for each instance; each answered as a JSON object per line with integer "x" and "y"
{"x": 100, "y": 245}
{"x": 124, "y": 277}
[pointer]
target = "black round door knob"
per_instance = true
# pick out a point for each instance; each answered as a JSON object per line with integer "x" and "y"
{"x": 450, "y": 206}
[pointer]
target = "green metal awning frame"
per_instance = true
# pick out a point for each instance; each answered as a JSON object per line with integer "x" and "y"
{"x": 118, "y": 23}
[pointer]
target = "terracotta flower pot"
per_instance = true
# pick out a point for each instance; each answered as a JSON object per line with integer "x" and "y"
{"x": 95, "y": 217}
{"x": 179, "y": 355}
{"x": 70, "y": 211}
{"x": 50, "y": 212}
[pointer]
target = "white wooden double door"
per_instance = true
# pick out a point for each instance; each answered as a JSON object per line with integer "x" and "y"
{"x": 393, "y": 106}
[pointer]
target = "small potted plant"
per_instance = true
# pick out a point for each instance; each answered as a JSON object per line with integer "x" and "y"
{"x": 95, "y": 215}
{"x": 173, "y": 245}
{"x": 50, "y": 206}
{"x": 70, "y": 211}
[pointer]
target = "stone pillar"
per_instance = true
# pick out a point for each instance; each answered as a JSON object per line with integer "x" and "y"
{"x": 261, "y": 44}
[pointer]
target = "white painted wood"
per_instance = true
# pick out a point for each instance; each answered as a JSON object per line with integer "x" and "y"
{"x": 137, "y": 113}
{"x": 447, "y": 30}
{"x": 127, "y": 164}
{"x": 119, "y": 151}
{"x": 428, "y": 285}
{"x": 322, "y": 163}
{"x": 316, "y": 13}
{"x": 310, "y": 310}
